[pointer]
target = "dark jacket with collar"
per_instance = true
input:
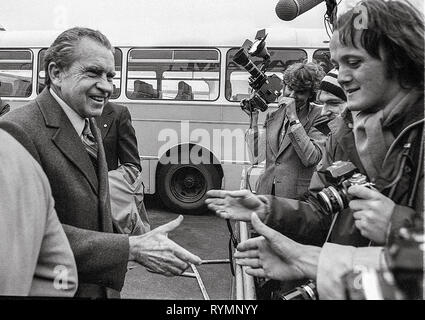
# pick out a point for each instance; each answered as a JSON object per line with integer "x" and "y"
{"x": 306, "y": 222}
{"x": 119, "y": 137}
{"x": 82, "y": 208}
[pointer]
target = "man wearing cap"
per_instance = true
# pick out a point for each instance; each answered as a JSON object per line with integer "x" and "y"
{"x": 331, "y": 95}
{"x": 333, "y": 100}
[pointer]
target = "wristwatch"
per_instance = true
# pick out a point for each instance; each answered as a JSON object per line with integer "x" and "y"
{"x": 293, "y": 122}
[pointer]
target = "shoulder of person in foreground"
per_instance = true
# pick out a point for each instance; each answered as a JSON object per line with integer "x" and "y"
{"x": 39, "y": 260}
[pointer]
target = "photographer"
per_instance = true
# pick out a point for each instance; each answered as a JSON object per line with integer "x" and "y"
{"x": 381, "y": 70}
{"x": 290, "y": 144}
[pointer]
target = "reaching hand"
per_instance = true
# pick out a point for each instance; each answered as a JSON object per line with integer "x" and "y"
{"x": 372, "y": 212}
{"x": 159, "y": 254}
{"x": 235, "y": 205}
{"x": 275, "y": 256}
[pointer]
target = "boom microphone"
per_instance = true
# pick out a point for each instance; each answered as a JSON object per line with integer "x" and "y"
{"x": 290, "y": 9}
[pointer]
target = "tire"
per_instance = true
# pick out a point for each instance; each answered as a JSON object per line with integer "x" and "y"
{"x": 183, "y": 187}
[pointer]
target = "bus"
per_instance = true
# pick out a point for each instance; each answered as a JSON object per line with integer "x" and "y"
{"x": 183, "y": 96}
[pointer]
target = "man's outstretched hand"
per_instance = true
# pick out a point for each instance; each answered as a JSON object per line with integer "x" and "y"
{"x": 159, "y": 254}
{"x": 235, "y": 205}
{"x": 275, "y": 256}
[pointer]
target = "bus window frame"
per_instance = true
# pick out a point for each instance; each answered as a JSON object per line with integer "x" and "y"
{"x": 30, "y": 50}
{"x": 219, "y": 71}
{"x": 120, "y": 78}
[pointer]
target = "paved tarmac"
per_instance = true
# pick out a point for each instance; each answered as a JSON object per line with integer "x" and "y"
{"x": 207, "y": 236}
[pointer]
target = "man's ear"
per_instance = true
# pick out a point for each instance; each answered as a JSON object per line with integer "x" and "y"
{"x": 55, "y": 73}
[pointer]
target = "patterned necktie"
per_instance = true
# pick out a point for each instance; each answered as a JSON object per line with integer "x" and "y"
{"x": 283, "y": 131}
{"x": 88, "y": 140}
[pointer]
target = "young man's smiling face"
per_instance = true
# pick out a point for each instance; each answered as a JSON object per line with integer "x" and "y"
{"x": 87, "y": 84}
{"x": 363, "y": 77}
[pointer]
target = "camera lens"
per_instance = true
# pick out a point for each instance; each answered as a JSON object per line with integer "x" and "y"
{"x": 242, "y": 59}
{"x": 330, "y": 199}
{"x": 307, "y": 291}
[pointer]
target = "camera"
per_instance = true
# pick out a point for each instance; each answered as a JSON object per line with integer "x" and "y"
{"x": 266, "y": 89}
{"x": 306, "y": 291}
{"x": 341, "y": 175}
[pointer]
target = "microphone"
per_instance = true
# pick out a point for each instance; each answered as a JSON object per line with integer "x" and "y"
{"x": 290, "y": 9}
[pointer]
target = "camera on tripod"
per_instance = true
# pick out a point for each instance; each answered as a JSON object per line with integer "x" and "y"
{"x": 342, "y": 175}
{"x": 266, "y": 89}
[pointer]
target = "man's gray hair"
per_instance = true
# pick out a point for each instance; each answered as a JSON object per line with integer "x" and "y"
{"x": 62, "y": 50}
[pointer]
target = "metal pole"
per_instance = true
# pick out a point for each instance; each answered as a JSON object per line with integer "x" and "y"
{"x": 239, "y": 283}
{"x": 201, "y": 284}
{"x": 248, "y": 281}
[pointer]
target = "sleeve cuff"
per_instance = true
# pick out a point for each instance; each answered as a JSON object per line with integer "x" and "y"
{"x": 336, "y": 260}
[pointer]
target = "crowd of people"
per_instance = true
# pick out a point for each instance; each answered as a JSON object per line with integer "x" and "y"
{"x": 328, "y": 202}
{"x": 341, "y": 227}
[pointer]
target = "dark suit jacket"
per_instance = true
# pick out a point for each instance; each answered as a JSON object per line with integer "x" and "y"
{"x": 119, "y": 137}
{"x": 291, "y": 173}
{"x": 101, "y": 255}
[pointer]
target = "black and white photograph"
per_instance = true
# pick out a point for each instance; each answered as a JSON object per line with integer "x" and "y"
{"x": 211, "y": 157}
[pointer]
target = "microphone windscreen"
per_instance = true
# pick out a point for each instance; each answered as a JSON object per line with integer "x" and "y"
{"x": 290, "y": 9}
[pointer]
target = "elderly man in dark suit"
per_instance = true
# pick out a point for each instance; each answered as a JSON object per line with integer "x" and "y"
{"x": 79, "y": 68}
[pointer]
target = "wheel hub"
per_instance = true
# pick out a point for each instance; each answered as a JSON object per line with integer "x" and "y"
{"x": 189, "y": 182}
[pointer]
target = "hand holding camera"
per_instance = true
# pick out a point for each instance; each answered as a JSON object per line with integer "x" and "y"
{"x": 349, "y": 188}
{"x": 372, "y": 211}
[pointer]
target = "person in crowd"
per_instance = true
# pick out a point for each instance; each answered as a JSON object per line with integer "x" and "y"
{"x": 35, "y": 255}
{"x": 119, "y": 137}
{"x": 290, "y": 143}
{"x": 381, "y": 69}
{"x": 331, "y": 95}
{"x": 79, "y": 68}
{"x": 332, "y": 99}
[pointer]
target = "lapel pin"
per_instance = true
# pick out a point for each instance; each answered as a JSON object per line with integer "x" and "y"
{"x": 105, "y": 125}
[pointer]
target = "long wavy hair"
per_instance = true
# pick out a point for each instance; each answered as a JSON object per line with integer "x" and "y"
{"x": 394, "y": 33}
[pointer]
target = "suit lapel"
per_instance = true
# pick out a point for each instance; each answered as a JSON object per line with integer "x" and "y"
{"x": 66, "y": 138}
{"x": 104, "y": 122}
{"x": 274, "y": 123}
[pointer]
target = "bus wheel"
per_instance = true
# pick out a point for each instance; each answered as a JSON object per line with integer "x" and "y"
{"x": 183, "y": 187}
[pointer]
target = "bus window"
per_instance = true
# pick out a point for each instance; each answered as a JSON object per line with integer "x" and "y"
{"x": 116, "y": 81}
{"x": 323, "y": 58}
{"x": 15, "y": 73}
{"x": 237, "y": 87}
{"x": 116, "y": 90}
{"x": 173, "y": 74}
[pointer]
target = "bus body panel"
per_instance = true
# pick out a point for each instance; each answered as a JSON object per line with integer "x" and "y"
{"x": 217, "y": 126}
